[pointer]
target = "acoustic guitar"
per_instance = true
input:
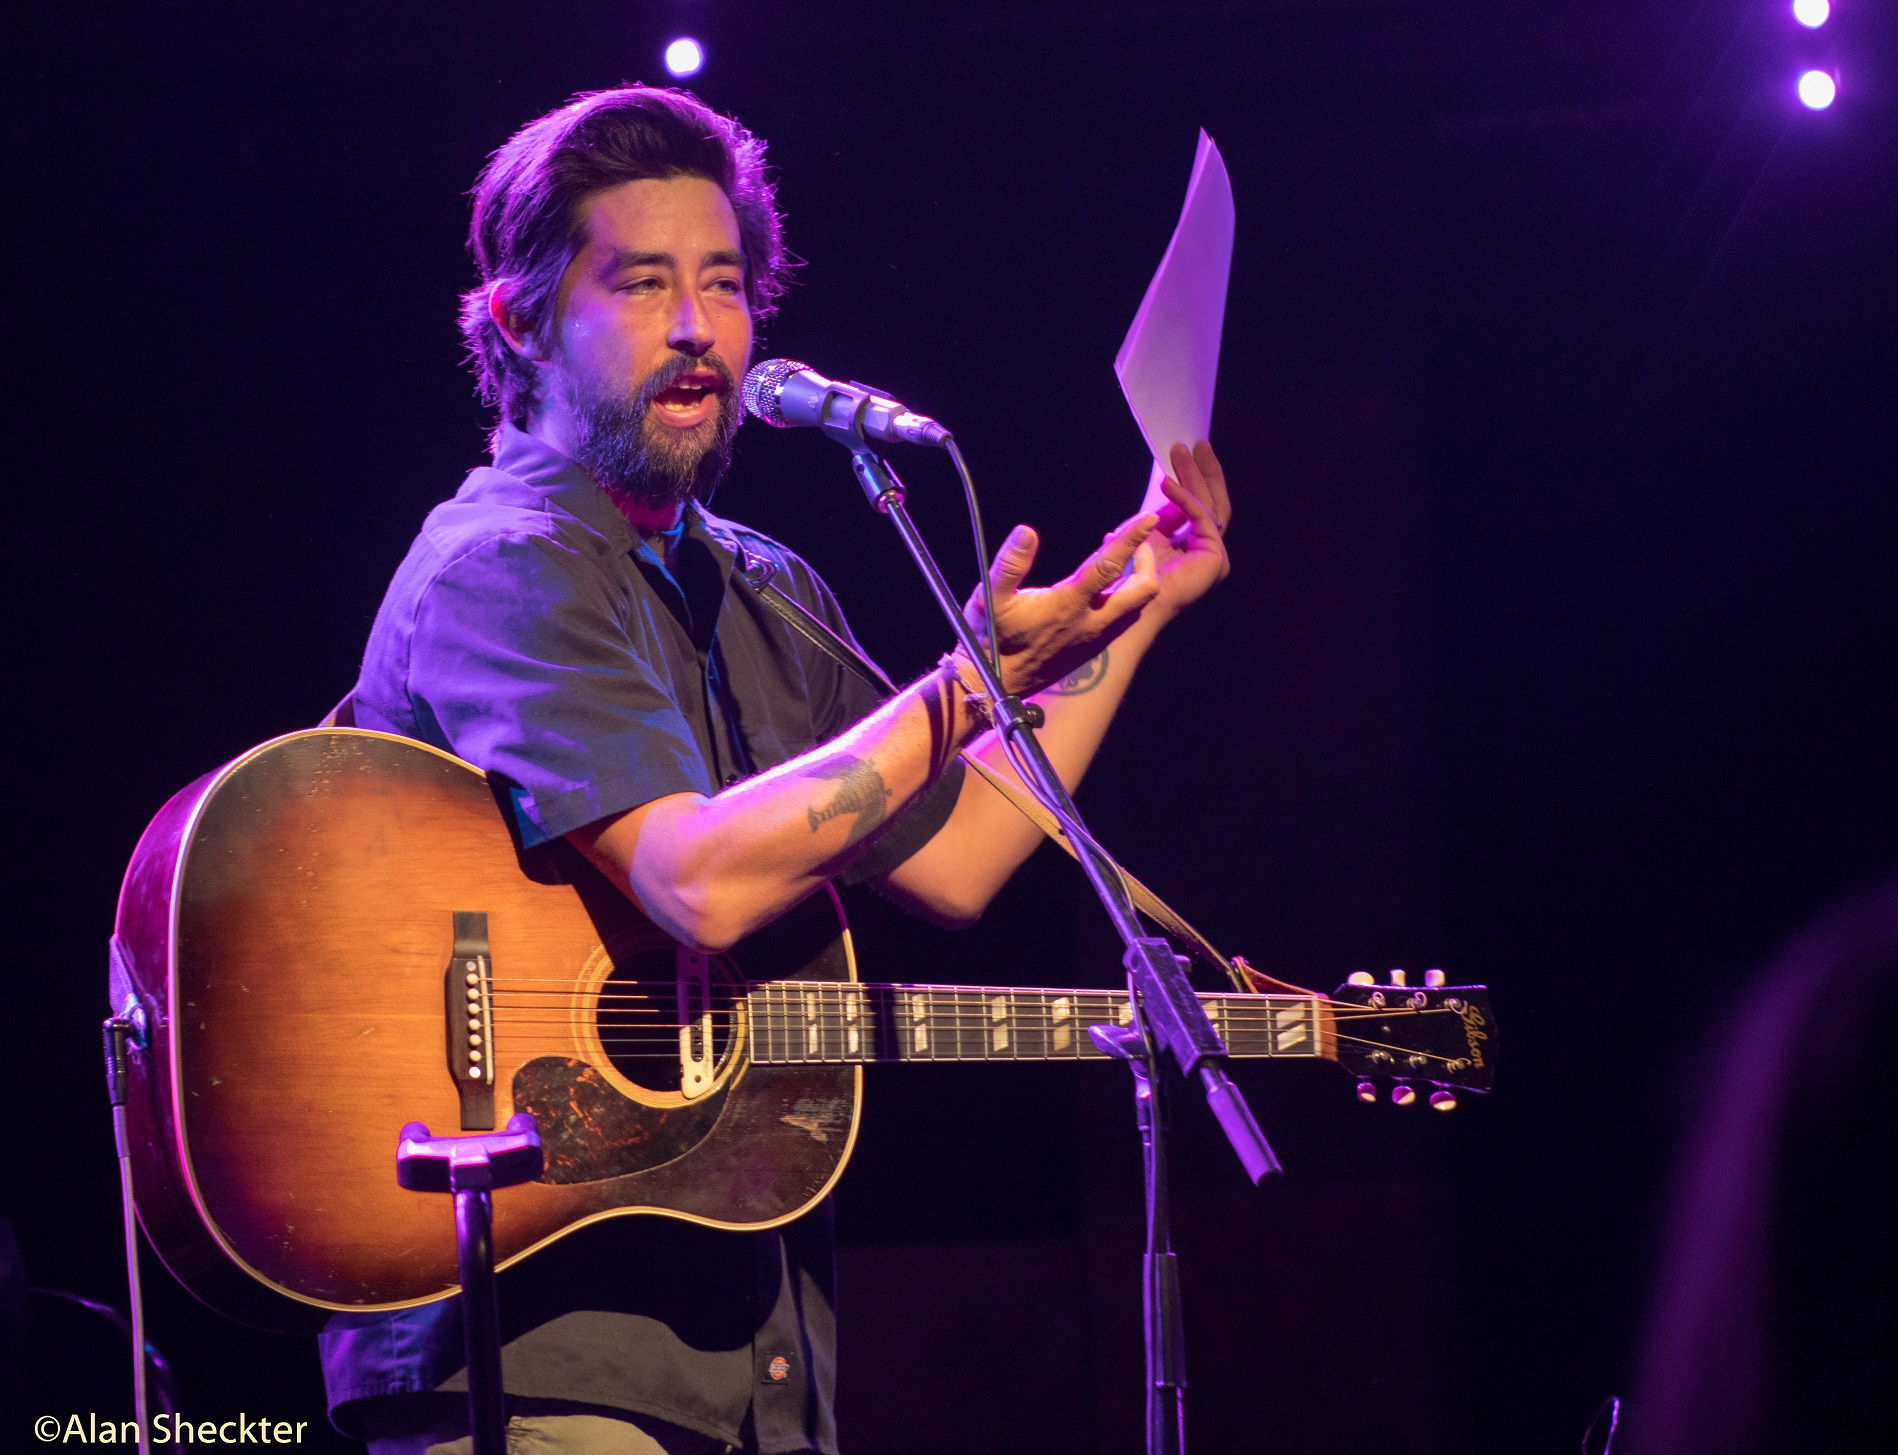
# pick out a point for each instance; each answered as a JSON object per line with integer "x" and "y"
{"x": 335, "y": 935}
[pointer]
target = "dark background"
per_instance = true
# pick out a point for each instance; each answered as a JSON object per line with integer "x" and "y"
{"x": 1557, "y": 399}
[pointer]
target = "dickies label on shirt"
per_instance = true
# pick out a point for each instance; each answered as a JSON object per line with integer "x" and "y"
{"x": 777, "y": 1370}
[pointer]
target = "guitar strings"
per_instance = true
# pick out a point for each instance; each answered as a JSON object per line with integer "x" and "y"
{"x": 668, "y": 1036}
{"x": 1081, "y": 1049}
{"x": 977, "y": 1015}
{"x": 1246, "y": 1017}
{"x": 1230, "y": 1004}
{"x": 537, "y": 1015}
{"x": 985, "y": 1001}
{"x": 946, "y": 1002}
{"x": 566, "y": 984}
{"x": 939, "y": 1013}
{"x": 979, "y": 1027}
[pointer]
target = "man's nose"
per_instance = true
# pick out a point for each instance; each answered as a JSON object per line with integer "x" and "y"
{"x": 691, "y": 330}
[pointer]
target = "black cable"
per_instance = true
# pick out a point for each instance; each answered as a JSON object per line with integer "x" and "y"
{"x": 1077, "y": 835}
{"x": 981, "y": 554}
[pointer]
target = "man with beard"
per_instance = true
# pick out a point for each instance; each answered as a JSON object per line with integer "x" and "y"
{"x": 577, "y": 623}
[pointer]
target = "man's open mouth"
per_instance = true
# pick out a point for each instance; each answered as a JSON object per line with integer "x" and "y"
{"x": 690, "y": 399}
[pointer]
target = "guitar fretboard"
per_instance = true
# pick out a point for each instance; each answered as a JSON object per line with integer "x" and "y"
{"x": 793, "y": 1022}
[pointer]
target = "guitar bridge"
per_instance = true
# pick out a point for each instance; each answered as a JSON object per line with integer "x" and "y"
{"x": 468, "y": 992}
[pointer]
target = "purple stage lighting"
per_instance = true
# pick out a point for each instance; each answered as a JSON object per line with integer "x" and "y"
{"x": 1818, "y": 90}
{"x": 685, "y": 56}
{"x": 1812, "y": 13}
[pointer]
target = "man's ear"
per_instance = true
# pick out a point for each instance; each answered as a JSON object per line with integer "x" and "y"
{"x": 514, "y": 328}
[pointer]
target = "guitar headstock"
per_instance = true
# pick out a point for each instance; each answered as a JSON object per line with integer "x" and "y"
{"x": 1426, "y": 1041}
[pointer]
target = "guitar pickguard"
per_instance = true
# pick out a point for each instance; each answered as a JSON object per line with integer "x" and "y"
{"x": 590, "y": 1131}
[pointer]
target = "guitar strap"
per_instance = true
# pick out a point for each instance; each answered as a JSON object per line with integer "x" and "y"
{"x": 757, "y": 572}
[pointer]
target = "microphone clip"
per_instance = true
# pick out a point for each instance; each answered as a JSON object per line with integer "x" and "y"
{"x": 859, "y": 417}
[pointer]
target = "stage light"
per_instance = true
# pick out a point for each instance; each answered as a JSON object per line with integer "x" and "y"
{"x": 1812, "y": 13}
{"x": 685, "y": 56}
{"x": 1818, "y": 90}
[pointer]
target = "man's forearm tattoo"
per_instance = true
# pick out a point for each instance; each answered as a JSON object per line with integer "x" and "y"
{"x": 860, "y": 791}
{"x": 1084, "y": 678}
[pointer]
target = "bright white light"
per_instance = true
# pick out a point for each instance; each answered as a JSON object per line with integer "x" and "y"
{"x": 1812, "y": 13}
{"x": 685, "y": 56}
{"x": 1818, "y": 90}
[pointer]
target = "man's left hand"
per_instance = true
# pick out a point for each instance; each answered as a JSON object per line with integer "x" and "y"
{"x": 1189, "y": 549}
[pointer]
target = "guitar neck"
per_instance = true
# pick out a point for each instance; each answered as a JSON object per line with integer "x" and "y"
{"x": 803, "y": 1022}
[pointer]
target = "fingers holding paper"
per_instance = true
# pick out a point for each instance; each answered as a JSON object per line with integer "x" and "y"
{"x": 1146, "y": 571}
{"x": 1189, "y": 547}
{"x": 1198, "y": 470}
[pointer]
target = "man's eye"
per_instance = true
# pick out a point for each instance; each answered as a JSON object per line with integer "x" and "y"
{"x": 641, "y": 285}
{"x": 728, "y": 285}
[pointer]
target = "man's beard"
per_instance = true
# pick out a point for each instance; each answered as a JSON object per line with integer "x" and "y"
{"x": 636, "y": 458}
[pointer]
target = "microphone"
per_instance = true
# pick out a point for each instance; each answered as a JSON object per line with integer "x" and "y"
{"x": 784, "y": 392}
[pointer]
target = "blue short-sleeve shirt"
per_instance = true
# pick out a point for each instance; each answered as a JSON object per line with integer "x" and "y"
{"x": 531, "y": 631}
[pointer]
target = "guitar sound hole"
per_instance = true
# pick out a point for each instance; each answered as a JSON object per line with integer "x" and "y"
{"x": 638, "y": 1020}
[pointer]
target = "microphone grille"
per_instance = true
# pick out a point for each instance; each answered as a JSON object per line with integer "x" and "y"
{"x": 759, "y": 392}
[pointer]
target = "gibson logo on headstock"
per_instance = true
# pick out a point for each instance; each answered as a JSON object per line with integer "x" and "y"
{"x": 1473, "y": 1033}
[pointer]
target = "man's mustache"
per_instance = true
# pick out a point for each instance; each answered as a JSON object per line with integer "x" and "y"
{"x": 676, "y": 368}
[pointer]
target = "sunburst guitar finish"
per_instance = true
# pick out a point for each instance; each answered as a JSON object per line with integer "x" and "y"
{"x": 334, "y": 936}
{"x": 288, "y": 924}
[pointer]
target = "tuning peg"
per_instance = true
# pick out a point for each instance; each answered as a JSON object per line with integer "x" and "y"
{"x": 1367, "y": 1093}
{"x": 1433, "y": 978}
{"x": 1360, "y": 977}
{"x": 1399, "y": 978}
{"x": 1403, "y": 1093}
{"x": 1443, "y": 1101}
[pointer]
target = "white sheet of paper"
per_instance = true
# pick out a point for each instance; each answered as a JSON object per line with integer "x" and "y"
{"x": 1169, "y": 361}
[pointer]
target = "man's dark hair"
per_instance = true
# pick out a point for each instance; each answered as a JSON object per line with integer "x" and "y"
{"x": 528, "y": 201}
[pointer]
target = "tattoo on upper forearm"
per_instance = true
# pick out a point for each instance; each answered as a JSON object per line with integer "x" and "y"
{"x": 860, "y": 791}
{"x": 1084, "y": 678}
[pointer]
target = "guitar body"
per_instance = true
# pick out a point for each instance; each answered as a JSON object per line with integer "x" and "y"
{"x": 288, "y": 925}
{"x": 334, "y": 936}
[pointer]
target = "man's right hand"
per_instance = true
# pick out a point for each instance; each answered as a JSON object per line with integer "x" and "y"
{"x": 1045, "y": 632}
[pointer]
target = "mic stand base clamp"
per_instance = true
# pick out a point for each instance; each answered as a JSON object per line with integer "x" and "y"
{"x": 472, "y": 1168}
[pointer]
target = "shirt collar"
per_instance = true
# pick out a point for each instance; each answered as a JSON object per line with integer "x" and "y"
{"x": 565, "y": 483}
{"x": 561, "y": 482}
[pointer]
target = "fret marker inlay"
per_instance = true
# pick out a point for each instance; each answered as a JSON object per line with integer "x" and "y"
{"x": 1291, "y": 1030}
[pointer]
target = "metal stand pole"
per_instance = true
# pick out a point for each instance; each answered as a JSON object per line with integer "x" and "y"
{"x": 470, "y": 1168}
{"x": 1013, "y": 718}
{"x": 1160, "y": 1289}
{"x": 480, "y": 1318}
{"x": 118, "y": 1037}
{"x": 1169, "y": 1013}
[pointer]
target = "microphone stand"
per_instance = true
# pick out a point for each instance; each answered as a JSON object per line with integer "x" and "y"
{"x": 1167, "y": 1013}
